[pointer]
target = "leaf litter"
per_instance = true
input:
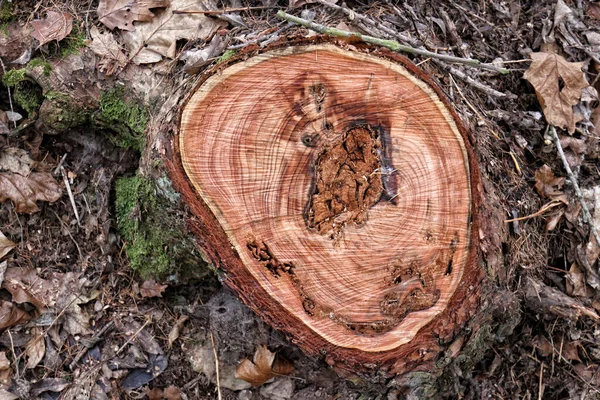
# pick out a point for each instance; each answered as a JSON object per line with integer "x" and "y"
{"x": 264, "y": 366}
{"x": 56, "y": 26}
{"x": 558, "y": 85}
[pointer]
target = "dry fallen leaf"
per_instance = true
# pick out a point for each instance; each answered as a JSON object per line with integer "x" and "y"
{"x": 575, "y": 282}
{"x": 11, "y": 315}
{"x": 26, "y": 286}
{"x": 56, "y": 26}
{"x": 106, "y": 46}
{"x": 121, "y": 13}
{"x": 5, "y": 246}
{"x": 266, "y": 365}
{"x": 543, "y": 345}
{"x": 151, "y": 288}
{"x": 15, "y": 160}
{"x": 548, "y": 185}
{"x": 154, "y": 40}
{"x": 590, "y": 374}
{"x": 36, "y": 348}
{"x": 569, "y": 350}
{"x": 5, "y": 371}
{"x": 174, "y": 334}
{"x": 558, "y": 85}
{"x": 25, "y": 191}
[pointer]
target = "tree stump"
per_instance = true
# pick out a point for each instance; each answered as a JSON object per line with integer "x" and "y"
{"x": 337, "y": 189}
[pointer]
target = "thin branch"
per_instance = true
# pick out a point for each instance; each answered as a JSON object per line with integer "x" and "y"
{"x": 390, "y": 44}
{"x": 586, "y": 211}
{"x": 223, "y": 11}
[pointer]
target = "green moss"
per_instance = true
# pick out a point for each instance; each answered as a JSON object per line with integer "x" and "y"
{"x": 72, "y": 43}
{"x": 127, "y": 119}
{"x": 7, "y": 13}
{"x": 145, "y": 244}
{"x": 29, "y": 97}
{"x": 60, "y": 113}
{"x": 14, "y": 77}
{"x": 39, "y": 62}
{"x": 156, "y": 241}
{"x": 25, "y": 92}
{"x": 226, "y": 56}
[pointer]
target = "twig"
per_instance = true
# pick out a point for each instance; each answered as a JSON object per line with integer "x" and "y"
{"x": 545, "y": 207}
{"x": 481, "y": 117}
{"x": 586, "y": 211}
{"x": 261, "y": 38}
{"x": 212, "y": 340}
{"x": 476, "y": 84}
{"x": 70, "y": 192}
{"x": 133, "y": 336}
{"x": 9, "y": 96}
{"x": 390, "y": 44}
{"x": 60, "y": 163}
{"x": 223, "y": 11}
{"x": 352, "y": 15}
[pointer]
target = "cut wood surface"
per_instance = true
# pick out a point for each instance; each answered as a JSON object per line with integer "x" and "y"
{"x": 343, "y": 191}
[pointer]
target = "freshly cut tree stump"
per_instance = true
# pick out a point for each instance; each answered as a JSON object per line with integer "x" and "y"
{"x": 339, "y": 193}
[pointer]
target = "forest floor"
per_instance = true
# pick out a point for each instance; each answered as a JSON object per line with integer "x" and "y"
{"x": 77, "y": 322}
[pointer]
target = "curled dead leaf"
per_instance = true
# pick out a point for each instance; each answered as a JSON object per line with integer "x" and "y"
{"x": 558, "y": 85}
{"x": 151, "y": 288}
{"x": 174, "y": 334}
{"x": 575, "y": 283}
{"x": 121, "y": 13}
{"x": 25, "y": 191}
{"x": 11, "y": 315}
{"x": 5, "y": 246}
{"x": 266, "y": 365}
{"x": 548, "y": 185}
{"x": 56, "y": 26}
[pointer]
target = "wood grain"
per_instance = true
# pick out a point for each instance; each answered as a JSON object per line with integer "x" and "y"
{"x": 343, "y": 183}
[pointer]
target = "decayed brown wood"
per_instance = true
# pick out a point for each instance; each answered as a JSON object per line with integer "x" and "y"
{"x": 339, "y": 193}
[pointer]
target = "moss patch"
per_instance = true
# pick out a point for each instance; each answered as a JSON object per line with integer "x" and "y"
{"x": 7, "y": 15}
{"x": 156, "y": 240}
{"x": 26, "y": 93}
{"x": 72, "y": 43}
{"x": 226, "y": 56}
{"x": 127, "y": 119}
{"x": 39, "y": 62}
{"x": 60, "y": 113}
{"x": 14, "y": 77}
{"x": 29, "y": 96}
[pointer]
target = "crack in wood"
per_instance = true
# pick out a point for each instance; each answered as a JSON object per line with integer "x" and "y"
{"x": 348, "y": 181}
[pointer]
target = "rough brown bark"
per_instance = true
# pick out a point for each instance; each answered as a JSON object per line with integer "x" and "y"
{"x": 339, "y": 192}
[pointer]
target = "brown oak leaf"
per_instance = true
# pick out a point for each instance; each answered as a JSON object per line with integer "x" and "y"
{"x": 266, "y": 365}
{"x": 151, "y": 288}
{"x": 157, "y": 39}
{"x": 25, "y": 191}
{"x": 106, "y": 46}
{"x": 121, "y": 13}
{"x": 558, "y": 85}
{"x": 5, "y": 371}
{"x": 56, "y": 26}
